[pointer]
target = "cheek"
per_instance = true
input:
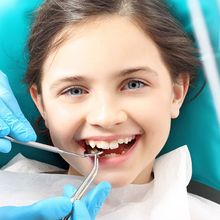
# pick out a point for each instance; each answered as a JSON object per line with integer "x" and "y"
{"x": 154, "y": 108}
{"x": 153, "y": 116}
{"x": 62, "y": 123}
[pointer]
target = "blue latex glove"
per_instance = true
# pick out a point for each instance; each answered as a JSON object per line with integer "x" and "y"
{"x": 59, "y": 207}
{"x": 88, "y": 207}
{"x": 49, "y": 209}
{"x": 12, "y": 120}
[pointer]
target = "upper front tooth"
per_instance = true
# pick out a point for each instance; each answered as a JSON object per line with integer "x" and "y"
{"x": 109, "y": 145}
{"x": 91, "y": 143}
{"x": 113, "y": 145}
{"x": 120, "y": 141}
{"x": 102, "y": 144}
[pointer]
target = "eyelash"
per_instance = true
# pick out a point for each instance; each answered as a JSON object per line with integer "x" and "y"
{"x": 136, "y": 81}
{"x": 68, "y": 91}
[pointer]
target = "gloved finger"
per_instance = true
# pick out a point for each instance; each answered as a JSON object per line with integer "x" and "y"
{"x": 7, "y": 96}
{"x": 80, "y": 211}
{"x": 4, "y": 129}
{"x": 20, "y": 128}
{"x": 69, "y": 190}
{"x": 96, "y": 197}
{"x": 5, "y": 146}
{"x": 8, "y": 100}
{"x": 50, "y": 209}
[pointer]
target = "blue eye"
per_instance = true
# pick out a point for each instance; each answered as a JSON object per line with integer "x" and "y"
{"x": 74, "y": 91}
{"x": 134, "y": 84}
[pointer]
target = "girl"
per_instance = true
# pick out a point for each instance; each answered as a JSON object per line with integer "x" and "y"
{"x": 111, "y": 75}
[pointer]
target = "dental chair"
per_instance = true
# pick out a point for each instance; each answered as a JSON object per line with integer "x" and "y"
{"x": 198, "y": 125}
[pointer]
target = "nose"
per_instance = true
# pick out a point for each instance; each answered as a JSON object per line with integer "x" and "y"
{"x": 106, "y": 113}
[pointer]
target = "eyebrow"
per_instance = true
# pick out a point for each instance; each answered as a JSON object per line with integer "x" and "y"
{"x": 129, "y": 71}
{"x": 122, "y": 73}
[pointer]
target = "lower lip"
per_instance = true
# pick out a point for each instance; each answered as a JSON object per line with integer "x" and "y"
{"x": 120, "y": 158}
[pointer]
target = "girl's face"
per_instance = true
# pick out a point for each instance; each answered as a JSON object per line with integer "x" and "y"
{"x": 108, "y": 86}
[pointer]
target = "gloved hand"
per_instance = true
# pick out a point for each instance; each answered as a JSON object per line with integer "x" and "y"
{"x": 59, "y": 207}
{"x": 49, "y": 209}
{"x": 88, "y": 207}
{"x": 12, "y": 120}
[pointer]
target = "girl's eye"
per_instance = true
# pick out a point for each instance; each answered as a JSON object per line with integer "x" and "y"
{"x": 74, "y": 91}
{"x": 134, "y": 84}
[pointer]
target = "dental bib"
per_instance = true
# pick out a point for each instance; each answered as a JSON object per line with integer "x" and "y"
{"x": 165, "y": 197}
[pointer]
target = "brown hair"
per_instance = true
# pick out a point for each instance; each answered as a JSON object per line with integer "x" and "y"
{"x": 151, "y": 15}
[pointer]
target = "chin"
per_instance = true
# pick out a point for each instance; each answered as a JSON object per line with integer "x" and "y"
{"x": 115, "y": 182}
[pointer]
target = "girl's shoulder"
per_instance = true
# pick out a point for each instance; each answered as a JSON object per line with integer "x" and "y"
{"x": 203, "y": 209}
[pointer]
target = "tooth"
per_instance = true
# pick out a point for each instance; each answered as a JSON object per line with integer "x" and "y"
{"x": 113, "y": 145}
{"x": 92, "y": 144}
{"x": 103, "y": 145}
{"x": 99, "y": 144}
{"x": 120, "y": 141}
{"x": 126, "y": 140}
{"x": 110, "y": 155}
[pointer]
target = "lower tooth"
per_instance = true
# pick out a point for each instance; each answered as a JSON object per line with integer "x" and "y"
{"x": 110, "y": 155}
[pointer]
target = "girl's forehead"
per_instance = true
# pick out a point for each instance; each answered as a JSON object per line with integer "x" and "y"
{"x": 104, "y": 30}
{"x": 104, "y": 43}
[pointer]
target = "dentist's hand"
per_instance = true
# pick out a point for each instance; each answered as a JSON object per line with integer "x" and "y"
{"x": 88, "y": 207}
{"x": 49, "y": 209}
{"x": 59, "y": 207}
{"x": 12, "y": 120}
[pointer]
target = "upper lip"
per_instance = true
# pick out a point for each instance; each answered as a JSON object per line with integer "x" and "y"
{"x": 107, "y": 138}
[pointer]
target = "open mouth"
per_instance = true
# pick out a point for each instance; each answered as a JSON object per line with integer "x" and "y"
{"x": 113, "y": 149}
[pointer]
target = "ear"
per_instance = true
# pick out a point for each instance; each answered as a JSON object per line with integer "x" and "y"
{"x": 38, "y": 100}
{"x": 180, "y": 88}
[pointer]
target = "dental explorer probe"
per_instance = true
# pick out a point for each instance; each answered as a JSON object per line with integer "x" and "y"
{"x": 86, "y": 183}
{"x": 50, "y": 148}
